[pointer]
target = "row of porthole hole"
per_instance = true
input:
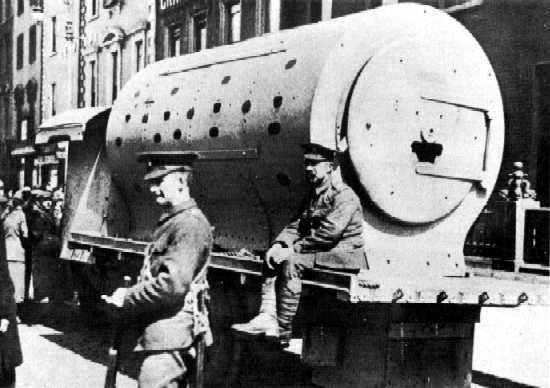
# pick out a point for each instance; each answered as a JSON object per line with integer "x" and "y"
{"x": 225, "y": 80}
{"x": 273, "y": 128}
{"x": 245, "y": 108}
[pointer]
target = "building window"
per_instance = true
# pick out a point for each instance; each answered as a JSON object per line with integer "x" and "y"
{"x": 114, "y": 75}
{"x": 53, "y": 100}
{"x": 93, "y": 83}
{"x": 139, "y": 55}
{"x": 54, "y": 37}
{"x": 19, "y": 51}
{"x": 175, "y": 41}
{"x": 297, "y": 13}
{"x": 20, "y": 7}
{"x": 232, "y": 23}
{"x": 94, "y": 7}
{"x": 32, "y": 44}
{"x": 199, "y": 31}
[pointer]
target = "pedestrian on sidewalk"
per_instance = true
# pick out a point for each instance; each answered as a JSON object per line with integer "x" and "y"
{"x": 10, "y": 348}
{"x": 45, "y": 247}
{"x": 16, "y": 235}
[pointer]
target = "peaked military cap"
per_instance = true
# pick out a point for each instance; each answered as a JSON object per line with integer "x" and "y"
{"x": 313, "y": 151}
{"x": 160, "y": 164}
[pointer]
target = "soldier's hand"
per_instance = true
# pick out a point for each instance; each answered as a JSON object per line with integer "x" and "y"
{"x": 276, "y": 255}
{"x": 117, "y": 299}
{"x": 4, "y": 324}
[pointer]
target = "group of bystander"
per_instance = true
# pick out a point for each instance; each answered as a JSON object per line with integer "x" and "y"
{"x": 29, "y": 249}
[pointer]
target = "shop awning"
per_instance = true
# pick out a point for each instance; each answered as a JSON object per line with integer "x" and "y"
{"x": 70, "y": 125}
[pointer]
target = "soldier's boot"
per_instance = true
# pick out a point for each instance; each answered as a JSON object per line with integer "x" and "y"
{"x": 266, "y": 320}
{"x": 289, "y": 291}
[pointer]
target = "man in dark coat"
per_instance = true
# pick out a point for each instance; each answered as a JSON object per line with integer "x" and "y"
{"x": 164, "y": 297}
{"x": 10, "y": 348}
{"x": 326, "y": 234}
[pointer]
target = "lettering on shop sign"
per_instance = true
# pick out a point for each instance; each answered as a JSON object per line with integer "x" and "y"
{"x": 167, "y": 4}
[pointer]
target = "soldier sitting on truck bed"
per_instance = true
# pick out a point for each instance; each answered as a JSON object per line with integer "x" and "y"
{"x": 326, "y": 234}
{"x": 172, "y": 276}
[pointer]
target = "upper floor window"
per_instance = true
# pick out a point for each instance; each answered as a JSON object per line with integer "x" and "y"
{"x": 93, "y": 83}
{"x": 54, "y": 111}
{"x": 199, "y": 31}
{"x": 114, "y": 75}
{"x": 94, "y": 7}
{"x": 175, "y": 41}
{"x": 32, "y": 44}
{"x": 54, "y": 36}
{"x": 232, "y": 22}
{"x": 5, "y": 53}
{"x": 297, "y": 13}
{"x": 20, "y": 7}
{"x": 139, "y": 55}
{"x": 19, "y": 63}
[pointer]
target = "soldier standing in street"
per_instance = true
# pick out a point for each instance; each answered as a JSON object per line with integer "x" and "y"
{"x": 326, "y": 234}
{"x": 164, "y": 299}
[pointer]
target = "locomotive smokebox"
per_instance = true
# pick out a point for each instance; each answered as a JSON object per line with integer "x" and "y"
{"x": 404, "y": 92}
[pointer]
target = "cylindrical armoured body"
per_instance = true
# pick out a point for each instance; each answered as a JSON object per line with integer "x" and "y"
{"x": 405, "y": 92}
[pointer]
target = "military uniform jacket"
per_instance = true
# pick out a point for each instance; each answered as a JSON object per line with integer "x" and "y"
{"x": 181, "y": 250}
{"x": 330, "y": 227}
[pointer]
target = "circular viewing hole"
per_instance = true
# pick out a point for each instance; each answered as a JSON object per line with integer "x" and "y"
{"x": 283, "y": 179}
{"x": 157, "y": 138}
{"x": 118, "y": 141}
{"x": 274, "y": 128}
{"x": 277, "y": 102}
{"x": 246, "y": 106}
{"x": 177, "y": 134}
{"x": 128, "y": 117}
{"x": 167, "y": 115}
{"x": 428, "y": 263}
{"x": 217, "y": 107}
{"x": 190, "y": 113}
{"x": 136, "y": 94}
{"x": 145, "y": 118}
{"x": 368, "y": 126}
{"x": 290, "y": 64}
{"x": 214, "y": 132}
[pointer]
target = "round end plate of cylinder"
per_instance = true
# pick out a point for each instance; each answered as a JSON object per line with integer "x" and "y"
{"x": 417, "y": 127}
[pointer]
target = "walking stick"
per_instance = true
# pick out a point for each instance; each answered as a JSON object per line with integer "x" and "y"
{"x": 116, "y": 340}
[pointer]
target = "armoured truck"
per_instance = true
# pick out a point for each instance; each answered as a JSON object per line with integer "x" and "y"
{"x": 404, "y": 93}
